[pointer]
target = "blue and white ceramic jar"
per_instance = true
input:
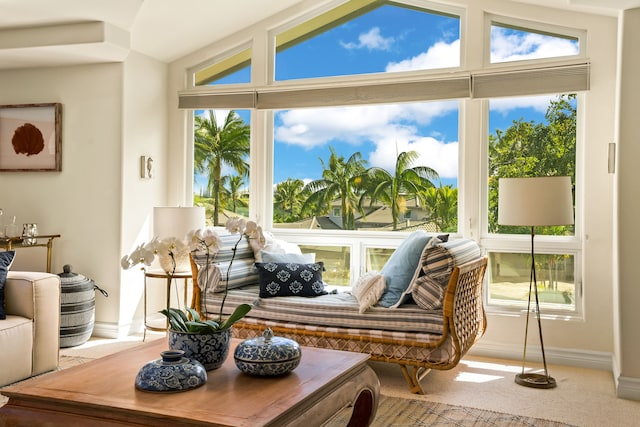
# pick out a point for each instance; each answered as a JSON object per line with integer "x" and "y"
{"x": 210, "y": 349}
{"x": 173, "y": 372}
{"x": 267, "y": 355}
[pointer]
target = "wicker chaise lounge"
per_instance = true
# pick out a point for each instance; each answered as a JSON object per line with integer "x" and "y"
{"x": 437, "y": 340}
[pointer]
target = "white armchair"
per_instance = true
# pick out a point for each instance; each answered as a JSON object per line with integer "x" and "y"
{"x": 30, "y": 335}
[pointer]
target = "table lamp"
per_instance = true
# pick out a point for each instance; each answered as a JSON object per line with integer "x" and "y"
{"x": 176, "y": 222}
{"x": 535, "y": 201}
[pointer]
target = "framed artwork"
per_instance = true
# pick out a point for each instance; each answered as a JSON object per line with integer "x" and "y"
{"x": 31, "y": 137}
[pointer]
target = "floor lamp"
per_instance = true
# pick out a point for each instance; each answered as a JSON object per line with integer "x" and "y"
{"x": 537, "y": 201}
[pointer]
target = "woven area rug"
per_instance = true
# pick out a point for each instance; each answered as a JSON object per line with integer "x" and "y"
{"x": 398, "y": 412}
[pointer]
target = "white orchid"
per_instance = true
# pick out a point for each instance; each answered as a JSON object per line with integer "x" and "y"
{"x": 248, "y": 228}
{"x": 204, "y": 239}
{"x": 143, "y": 254}
{"x": 236, "y": 225}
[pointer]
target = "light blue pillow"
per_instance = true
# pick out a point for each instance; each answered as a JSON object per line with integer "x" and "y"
{"x": 401, "y": 267}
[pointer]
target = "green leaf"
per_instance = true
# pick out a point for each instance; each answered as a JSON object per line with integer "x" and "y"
{"x": 194, "y": 314}
{"x": 237, "y": 314}
{"x": 176, "y": 318}
{"x": 213, "y": 324}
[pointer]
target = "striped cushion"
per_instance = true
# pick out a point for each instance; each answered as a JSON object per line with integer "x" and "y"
{"x": 437, "y": 263}
{"x": 212, "y": 273}
{"x": 333, "y": 310}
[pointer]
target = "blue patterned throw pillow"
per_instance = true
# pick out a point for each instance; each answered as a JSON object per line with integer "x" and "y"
{"x": 283, "y": 279}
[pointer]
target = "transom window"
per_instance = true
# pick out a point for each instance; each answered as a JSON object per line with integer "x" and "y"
{"x": 379, "y": 37}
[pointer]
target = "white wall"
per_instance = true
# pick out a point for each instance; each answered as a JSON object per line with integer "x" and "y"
{"x": 95, "y": 200}
{"x": 144, "y": 130}
{"x": 627, "y": 295}
{"x": 82, "y": 202}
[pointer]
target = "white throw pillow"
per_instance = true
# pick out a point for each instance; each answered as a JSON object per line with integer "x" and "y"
{"x": 308, "y": 258}
{"x": 368, "y": 289}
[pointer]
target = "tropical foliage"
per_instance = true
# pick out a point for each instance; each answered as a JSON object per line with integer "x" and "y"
{"x": 392, "y": 190}
{"x": 288, "y": 201}
{"x": 526, "y": 148}
{"x": 216, "y": 146}
{"x": 340, "y": 180}
{"x": 442, "y": 203}
{"x": 533, "y": 149}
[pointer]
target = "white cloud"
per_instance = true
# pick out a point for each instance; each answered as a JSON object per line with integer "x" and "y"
{"x": 220, "y": 115}
{"x": 440, "y": 55}
{"x": 504, "y": 105}
{"x": 385, "y": 126}
{"x": 443, "y": 157}
{"x": 371, "y": 40}
{"x": 319, "y": 126}
{"x": 506, "y": 46}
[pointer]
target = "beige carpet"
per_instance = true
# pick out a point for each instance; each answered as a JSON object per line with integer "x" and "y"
{"x": 583, "y": 397}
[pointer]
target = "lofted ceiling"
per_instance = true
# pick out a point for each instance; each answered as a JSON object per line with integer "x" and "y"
{"x": 36, "y": 33}
{"x": 58, "y": 32}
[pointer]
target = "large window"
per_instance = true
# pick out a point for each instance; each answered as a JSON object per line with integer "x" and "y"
{"x": 221, "y": 159}
{"x": 367, "y": 123}
{"x": 368, "y": 168}
{"x": 532, "y": 136}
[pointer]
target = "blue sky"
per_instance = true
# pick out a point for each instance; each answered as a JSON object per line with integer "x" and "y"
{"x": 391, "y": 39}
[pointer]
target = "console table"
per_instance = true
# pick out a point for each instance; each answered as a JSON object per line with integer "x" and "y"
{"x": 10, "y": 243}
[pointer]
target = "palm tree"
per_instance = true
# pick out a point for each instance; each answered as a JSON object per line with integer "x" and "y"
{"x": 287, "y": 198}
{"x": 442, "y": 203}
{"x": 392, "y": 189}
{"x": 340, "y": 180}
{"x": 232, "y": 186}
{"x": 216, "y": 146}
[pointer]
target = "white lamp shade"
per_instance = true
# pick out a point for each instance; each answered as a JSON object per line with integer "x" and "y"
{"x": 535, "y": 201}
{"x": 176, "y": 222}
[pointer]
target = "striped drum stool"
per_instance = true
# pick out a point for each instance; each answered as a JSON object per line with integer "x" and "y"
{"x": 77, "y": 307}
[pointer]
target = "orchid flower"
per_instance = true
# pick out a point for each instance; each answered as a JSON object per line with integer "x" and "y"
{"x": 204, "y": 239}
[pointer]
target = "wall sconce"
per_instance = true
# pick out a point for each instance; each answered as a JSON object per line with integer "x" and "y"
{"x": 146, "y": 167}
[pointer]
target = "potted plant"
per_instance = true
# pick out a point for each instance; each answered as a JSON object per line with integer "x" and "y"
{"x": 206, "y": 340}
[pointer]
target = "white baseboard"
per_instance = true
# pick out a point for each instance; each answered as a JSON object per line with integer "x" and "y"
{"x": 115, "y": 331}
{"x": 626, "y": 387}
{"x": 570, "y": 357}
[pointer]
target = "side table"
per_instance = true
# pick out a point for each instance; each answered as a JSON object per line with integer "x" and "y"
{"x": 9, "y": 243}
{"x": 160, "y": 274}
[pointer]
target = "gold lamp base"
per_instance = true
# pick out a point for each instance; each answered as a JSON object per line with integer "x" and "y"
{"x": 535, "y": 380}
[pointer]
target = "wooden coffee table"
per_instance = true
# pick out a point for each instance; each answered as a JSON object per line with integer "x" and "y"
{"x": 102, "y": 393}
